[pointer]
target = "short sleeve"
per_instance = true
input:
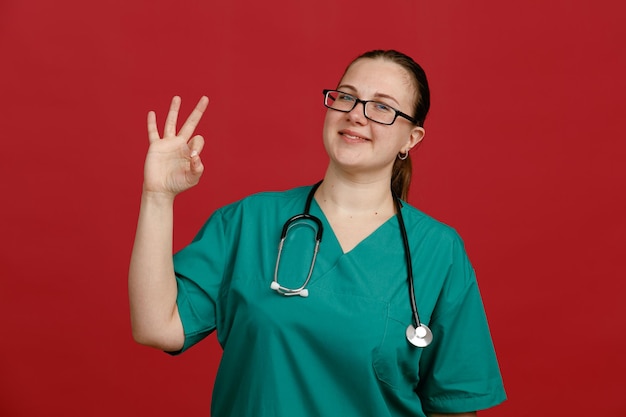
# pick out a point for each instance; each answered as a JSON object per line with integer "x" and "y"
{"x": 459, "y": 371}
{"x": 199, "y": 269}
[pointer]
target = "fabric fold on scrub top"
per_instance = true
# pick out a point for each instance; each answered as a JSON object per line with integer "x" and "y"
{"x": 342, "y": 350}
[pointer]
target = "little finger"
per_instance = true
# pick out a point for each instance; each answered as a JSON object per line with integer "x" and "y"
{"x": 153, "y": 131}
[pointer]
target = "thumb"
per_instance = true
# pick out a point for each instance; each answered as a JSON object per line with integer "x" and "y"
{"x": 197, "y": 167}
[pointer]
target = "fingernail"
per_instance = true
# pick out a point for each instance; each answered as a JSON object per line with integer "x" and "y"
{"x": 194, "y": 153}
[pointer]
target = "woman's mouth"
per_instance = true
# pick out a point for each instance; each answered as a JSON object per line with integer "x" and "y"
{"x": 353, "y": 137}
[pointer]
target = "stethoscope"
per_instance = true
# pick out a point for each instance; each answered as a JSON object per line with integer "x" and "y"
{"x": 417, "y": 333}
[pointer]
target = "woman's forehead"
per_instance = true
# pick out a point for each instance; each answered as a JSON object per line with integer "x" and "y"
{"x": 379, "y": 77}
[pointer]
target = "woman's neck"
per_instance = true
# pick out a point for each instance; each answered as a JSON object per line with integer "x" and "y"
{"x": 354, "y": 206}
{"x": 354, "y": 195}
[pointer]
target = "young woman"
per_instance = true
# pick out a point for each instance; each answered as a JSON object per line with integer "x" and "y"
{"x": 332, "y": 322}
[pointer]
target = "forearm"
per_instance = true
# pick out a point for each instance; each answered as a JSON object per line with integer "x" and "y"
{"x": 151, "y": 282}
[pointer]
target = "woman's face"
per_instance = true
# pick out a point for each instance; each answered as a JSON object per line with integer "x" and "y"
{"x": 359, "y": 145}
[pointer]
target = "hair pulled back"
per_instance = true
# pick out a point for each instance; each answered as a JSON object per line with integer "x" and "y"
{"x": 402, "y": 169}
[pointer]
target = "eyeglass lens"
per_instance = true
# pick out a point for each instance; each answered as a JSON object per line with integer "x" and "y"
{"x": 374, "y": 110}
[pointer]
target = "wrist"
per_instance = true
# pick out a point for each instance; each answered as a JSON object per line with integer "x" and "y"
{"x": 157, "y": 197}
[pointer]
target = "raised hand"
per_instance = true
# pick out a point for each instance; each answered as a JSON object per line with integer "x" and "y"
{"x": 173, "y": 161}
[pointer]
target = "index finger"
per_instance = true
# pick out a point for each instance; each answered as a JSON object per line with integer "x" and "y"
{"x": 194, "y": 118}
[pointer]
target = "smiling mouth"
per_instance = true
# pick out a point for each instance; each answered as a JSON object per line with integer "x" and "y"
{"x": 352, "y": 137}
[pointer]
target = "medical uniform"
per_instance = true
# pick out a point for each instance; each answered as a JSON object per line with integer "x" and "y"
{"x": 341, "y": 351}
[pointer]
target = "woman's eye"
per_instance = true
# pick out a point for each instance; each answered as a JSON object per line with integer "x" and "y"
{"x": 345, "y": 97}
{"x": 382, "y": 107}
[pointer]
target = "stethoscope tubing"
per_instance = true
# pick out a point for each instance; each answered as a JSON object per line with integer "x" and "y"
{"x": 417, "y": 333}
{"x": 409, "y": 261}
{"x": 420, "y": 335}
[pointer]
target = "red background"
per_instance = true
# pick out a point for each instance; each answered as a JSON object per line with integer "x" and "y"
{"x": 524, "y": 156}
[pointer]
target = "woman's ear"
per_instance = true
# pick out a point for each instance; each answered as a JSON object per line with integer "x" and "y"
{"x": 417, "y": 134}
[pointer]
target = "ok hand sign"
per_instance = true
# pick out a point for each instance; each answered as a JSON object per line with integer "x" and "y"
{"x": 173, "y": 161}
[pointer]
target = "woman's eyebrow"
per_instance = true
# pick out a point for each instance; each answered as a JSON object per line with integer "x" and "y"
{"x": 376, "y": 95}
{"x": 343, "y": 87}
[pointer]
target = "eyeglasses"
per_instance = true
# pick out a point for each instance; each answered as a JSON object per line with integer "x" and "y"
{"x": 374, "y": 110}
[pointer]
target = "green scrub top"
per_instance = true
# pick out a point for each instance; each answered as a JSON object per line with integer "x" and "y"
{"x": 341, "y": 351}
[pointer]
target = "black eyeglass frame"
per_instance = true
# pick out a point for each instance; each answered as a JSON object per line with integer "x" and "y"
{"x": 358, "y": 100}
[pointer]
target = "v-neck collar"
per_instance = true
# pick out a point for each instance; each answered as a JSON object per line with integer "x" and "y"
{"x": 331, "y": 259}
{"x": 330, "y": 238}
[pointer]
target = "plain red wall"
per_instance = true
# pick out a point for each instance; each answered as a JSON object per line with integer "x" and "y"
{"x": 524, "y": 155}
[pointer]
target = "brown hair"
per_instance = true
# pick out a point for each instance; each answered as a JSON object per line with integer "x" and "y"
{"x": 402, "y": 169}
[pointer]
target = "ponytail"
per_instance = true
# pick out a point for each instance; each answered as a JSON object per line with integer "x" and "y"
{"x": 401, "y": 177}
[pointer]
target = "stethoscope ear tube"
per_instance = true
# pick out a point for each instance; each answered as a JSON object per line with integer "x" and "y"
{"x": 303, "y": 216}
{"x": 302, "y": 291}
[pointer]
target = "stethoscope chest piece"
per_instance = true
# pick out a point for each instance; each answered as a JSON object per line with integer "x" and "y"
{"x": 420, "y": 336}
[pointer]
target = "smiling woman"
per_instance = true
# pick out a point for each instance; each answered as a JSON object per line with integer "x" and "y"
{"x": 344, "y": 347}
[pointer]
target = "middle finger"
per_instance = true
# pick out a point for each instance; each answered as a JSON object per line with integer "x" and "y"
{"x": 172, "y": 117}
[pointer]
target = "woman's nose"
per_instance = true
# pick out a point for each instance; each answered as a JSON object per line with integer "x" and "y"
{"x": 357, "y": 114}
